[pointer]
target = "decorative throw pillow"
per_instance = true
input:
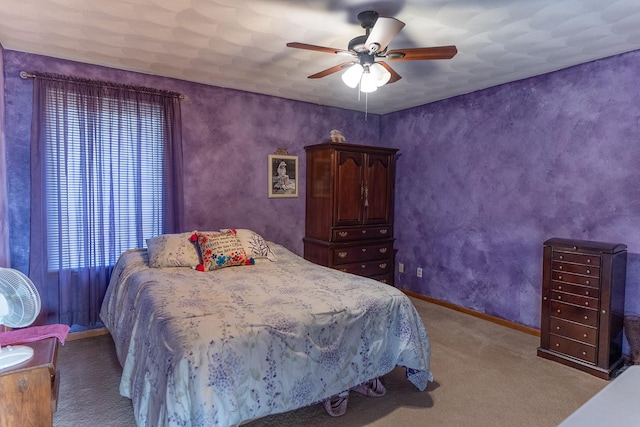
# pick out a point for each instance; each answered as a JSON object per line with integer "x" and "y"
{"x": 219, "y": 250}
{"x": 172, "y": 250}
{"x": 254, "y": 244}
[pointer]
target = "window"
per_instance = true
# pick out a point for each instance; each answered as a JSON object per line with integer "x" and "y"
{"x": 106, "y": 174}
{"x": 104, "y": 177}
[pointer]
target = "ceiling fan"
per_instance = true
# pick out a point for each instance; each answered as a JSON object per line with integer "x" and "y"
{"x": 363, "y": 69}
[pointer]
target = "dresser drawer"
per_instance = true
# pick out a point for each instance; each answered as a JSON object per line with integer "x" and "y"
{"x": 351, "y": 254}
{"x": 574, "y": 331}
{"x": 359, "y": 233}
{"x": 573, "y": 348}
{"x": 574, "y": 299}
{"x": 588, "y": 259}
{"x": 575, "y": 289}
{"x": 369, "y": 269}
{"x": 585, "y": 270}
{"x": 593, "y": 282}
{"x": 585, "y": 316}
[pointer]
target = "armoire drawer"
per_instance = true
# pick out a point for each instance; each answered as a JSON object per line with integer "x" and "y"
{"x": 584, "y": 291}
{"x": 369, "y": 269}
{"x": 585, "y": 316}
{"x": 586, "y": 259}
{"x": 578, "y": 279}
{"x": 573, "y": 348}
{"x": 587, "y": 302}
{"x": 585, "y": 270}
{"x": 575, "y": 331}
{"x": 351, "y": 254}
{"x": 360, "y": 233}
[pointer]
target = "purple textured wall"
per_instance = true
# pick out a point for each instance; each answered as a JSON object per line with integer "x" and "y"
{"x": 4, "y": 209}
{"x": 485, "y": 178}
{"x": 227, "y": 136}
{"x": 482, "y": 179}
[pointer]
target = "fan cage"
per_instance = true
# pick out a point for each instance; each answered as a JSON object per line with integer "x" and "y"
{"x": 22, "y": 298}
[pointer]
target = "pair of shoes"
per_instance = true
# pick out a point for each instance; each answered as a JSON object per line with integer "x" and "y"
{"x": 373, "y": 388}
{"x": 337, "y": 405}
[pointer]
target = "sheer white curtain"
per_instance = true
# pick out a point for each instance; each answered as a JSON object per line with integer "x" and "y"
{"x": 105, "y": 176}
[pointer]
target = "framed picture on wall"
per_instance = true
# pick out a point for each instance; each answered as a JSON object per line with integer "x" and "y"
{"x": 283, "y": 176}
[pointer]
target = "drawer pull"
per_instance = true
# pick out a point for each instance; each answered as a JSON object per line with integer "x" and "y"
{"x": 384, "y": 231}
{"x": 561, "y": 257}
{"x": 559, "y": 267}
{"x": 588, "y": 282}
{"x": 584, "y": 335}
{"x": 364, "y": 231}
{"x": 584, "y": 353}
{"x": 342, "y": 254}
{"x": 364, "y": 250}
{"x": 558, "y": 310}
{"x": 383, "y": 265}
{"x": 544, "y": 297}
{"x": 560, "y": 277}
{"x": 559, "y": 297}
{"x": 557, "y": 344}
{"x": 588, "y": 271}
{"x": 586, "y": 293}
{"x": 343, "y": 233}
{"x": 586, "y": 317}
{"x": 588, "y": 260}
{"x": 586, "y": 303}
{"x": 604, "y": 311}
{"x": 559, "y": 288}
{"x": 557, "y": 328}
{"x": 383, "y": 250}
{"x": 363, "y": 266}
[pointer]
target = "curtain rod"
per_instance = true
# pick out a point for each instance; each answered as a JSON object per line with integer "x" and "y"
{"x": 26, "y": 75}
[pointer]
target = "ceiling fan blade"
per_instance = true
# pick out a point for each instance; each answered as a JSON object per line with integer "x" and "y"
{"x": 331, "y": 70}
{"x": 319, "y": 48}
{"x": 384, "y": 30}
{"x": 420, "y": 53}
{"x": 394, "y": 76}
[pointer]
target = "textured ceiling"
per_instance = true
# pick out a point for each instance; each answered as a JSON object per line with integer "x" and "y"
{"x": 241, "y": 44}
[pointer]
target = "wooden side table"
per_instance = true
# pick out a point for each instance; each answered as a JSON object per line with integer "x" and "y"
{"x": 30, "y": 390}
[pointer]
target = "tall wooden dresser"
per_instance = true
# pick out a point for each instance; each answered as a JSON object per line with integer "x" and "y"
{"x": 349, "y": 216}
{"x": 583, "y": 288}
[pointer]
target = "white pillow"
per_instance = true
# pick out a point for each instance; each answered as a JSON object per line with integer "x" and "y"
{"x": 254, "y": 244}
{"x": 172, "y": 250}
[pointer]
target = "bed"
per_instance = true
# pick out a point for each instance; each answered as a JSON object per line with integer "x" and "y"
{"x": 223, "y": 347}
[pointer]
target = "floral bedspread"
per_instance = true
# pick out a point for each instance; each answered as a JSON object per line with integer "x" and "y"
{"x": 224, "y": 347}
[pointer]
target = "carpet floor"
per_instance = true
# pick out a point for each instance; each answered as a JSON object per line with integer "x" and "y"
{"x": 484, "y": 375}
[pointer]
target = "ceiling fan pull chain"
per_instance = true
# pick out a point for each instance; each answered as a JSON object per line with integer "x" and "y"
{"x": 366, "y": 105}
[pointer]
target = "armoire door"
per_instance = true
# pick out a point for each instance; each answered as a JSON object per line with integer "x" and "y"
{"x": 349, "y": 181}
{"x": 379, "y": 177}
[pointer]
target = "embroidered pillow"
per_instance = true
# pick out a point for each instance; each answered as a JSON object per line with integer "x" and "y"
{"x": 172, "y": 250}
{"x": 254, "y": 244}
{"x": 219, "y": 250}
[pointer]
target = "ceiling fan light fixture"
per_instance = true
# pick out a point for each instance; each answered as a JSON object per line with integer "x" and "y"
{"x": 380, "y": 74}
{"x": 352, "y": 76}
{"x": 368, "y": 82}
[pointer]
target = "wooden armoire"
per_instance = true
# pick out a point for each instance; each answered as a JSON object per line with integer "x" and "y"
{"x": 583, "y": 291}
{"x": 349, "y": 216}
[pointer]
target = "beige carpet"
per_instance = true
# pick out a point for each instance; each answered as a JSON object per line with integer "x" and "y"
{"x": 485, "y": 375}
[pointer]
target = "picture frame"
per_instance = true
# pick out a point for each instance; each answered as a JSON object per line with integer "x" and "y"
{"x": 283, "y": 176}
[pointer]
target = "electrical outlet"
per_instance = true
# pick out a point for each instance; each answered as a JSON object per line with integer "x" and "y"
{"x": 419, "y": 272}
{"x": 400, "y": 267}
